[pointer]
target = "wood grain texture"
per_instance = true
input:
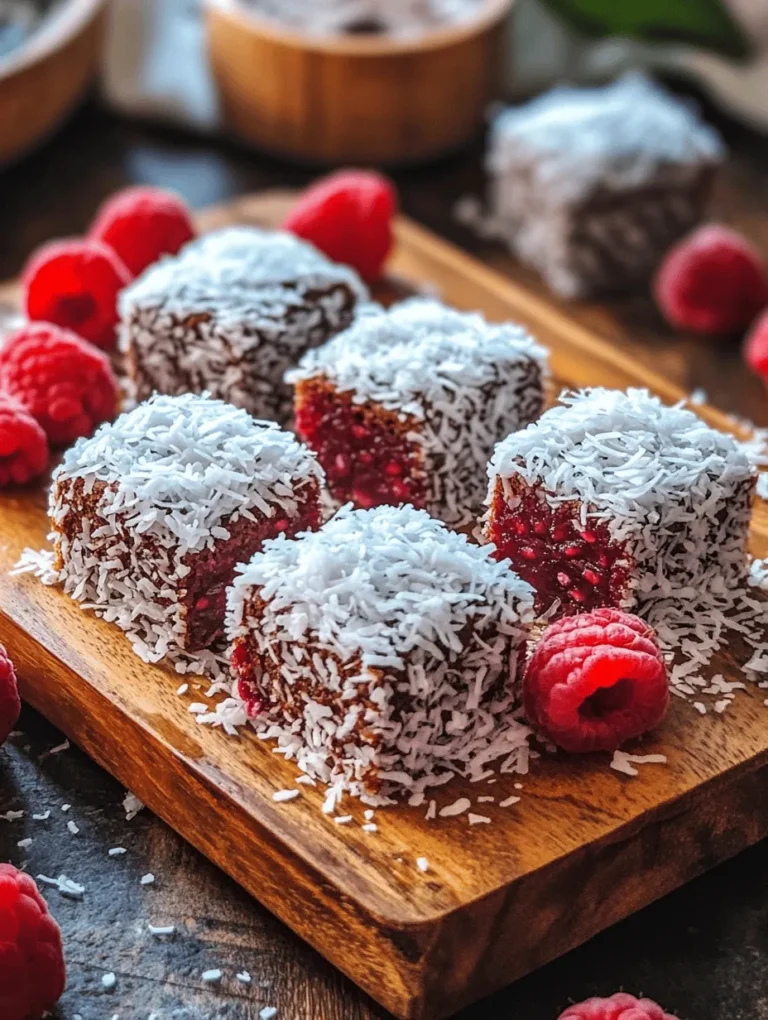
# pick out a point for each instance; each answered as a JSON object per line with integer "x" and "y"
{"x": 355, "y": 98}
{"x": 582, "y": 849}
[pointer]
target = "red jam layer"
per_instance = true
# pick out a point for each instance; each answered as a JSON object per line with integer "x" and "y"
{"x": 213, "y": 570}
{"x": 362, "y": 448}
{"x": 551, "y": 550}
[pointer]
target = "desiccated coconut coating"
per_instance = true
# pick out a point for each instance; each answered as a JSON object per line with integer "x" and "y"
{"x": 612, "y": 497}
{"x": 152, "y": 513}
{"x": 592, "y": 185}
{"x": 381, "y": 651}
{"x": 406, "y": 405}
{"x": 230, "y": 314}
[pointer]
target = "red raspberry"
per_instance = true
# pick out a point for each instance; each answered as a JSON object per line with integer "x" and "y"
{"x": 75, "y": 284}
{"x": 618, "y": 1007}
{"x": 10, "y": 706}
{"x": 348, "y": 216}
{"x": 595, "y": 681}
{"x": 32, "y": 972}
{"x": 141, "y": 224}
{"x": 23, "y": 446}
{"x": 713, "y": 281}
{"x": 65, "y": 383}
{"x": 756, "y": 347}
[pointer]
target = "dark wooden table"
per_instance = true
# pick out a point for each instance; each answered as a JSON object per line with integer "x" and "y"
{"x": 703, "y": 951}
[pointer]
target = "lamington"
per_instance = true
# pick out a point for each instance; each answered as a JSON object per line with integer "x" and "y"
{"x": 591, "y": 186}
{"x": 151, "y": 514}
{"x": 381, "y": 651}
{"x": 406, "y": 405}
{"x": 614, "y": 499}
{"x": 230, "y": 314}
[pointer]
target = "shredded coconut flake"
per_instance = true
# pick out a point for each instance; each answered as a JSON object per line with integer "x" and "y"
{"x": 457, "y": 808}
{"x": 284, "y": 795}
{"x": 131, "y": 805}
{"x": 623, "y": 762}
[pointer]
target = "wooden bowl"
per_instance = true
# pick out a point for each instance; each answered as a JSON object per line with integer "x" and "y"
{"x": 353, "y": 98}
{"x": 42, "y": 80}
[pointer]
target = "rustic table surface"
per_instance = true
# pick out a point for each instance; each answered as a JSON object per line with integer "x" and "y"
{"x": 702, "y": 951}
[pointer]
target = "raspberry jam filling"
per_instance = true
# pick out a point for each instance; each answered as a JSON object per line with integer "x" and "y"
{"x": 213, "y": 570}
{"x": 247, "y": 682}
{"x": 552, "y": 551}
{"x": 362, "y": 448}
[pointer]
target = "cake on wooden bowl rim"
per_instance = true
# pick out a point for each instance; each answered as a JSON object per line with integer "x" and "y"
{"x": 613, "y": 499}
{"x": 381, "y": 651}
{"x": 151, "y": 514}
{"x": 230, "y": 314}
{"x": 406, "y": 405}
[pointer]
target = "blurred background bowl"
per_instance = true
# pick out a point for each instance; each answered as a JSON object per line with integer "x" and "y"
{"x": 44, "y": 78}
{"x": 353, "y": 98}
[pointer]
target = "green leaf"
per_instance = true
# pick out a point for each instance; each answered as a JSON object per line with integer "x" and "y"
{"x": 704, "y": 23}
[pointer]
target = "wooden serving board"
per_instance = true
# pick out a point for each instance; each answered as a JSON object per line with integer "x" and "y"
{"x": 582, "y": 849}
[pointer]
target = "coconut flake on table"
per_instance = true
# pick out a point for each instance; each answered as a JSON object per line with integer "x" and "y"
{"x": 66, "y": 886}
{"x": 343, "y": 588}
{"x": 131, "y": 805}
{"x": 461, "y": 381}
{"x": 174, "y": 468}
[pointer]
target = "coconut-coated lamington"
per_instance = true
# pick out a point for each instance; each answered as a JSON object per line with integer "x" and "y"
{"x": 614, "y": 499}
{"x": 230, "y": 314}
{"x": 406, "y": 405}
{"x": 381, "y": 651}
{"x": 591, "y": 186}
{"x": 152, "y": 513}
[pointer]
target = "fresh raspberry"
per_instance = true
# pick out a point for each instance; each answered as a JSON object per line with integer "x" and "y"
{"x": 23, "y": 446}
{"x": 348, "y": 216}
{"x": 32, "y": 972}
{"x": 10, "y": 706}
{"x": 713, "y": 281}
{"x": 618, "y": 1007}
{"x": 75, "y": 284}
{"x": 65, "y": 383}
{"x": 756, "y": 347}
{"x": 595, "y": 681}
{"x": 141, "y": 224}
